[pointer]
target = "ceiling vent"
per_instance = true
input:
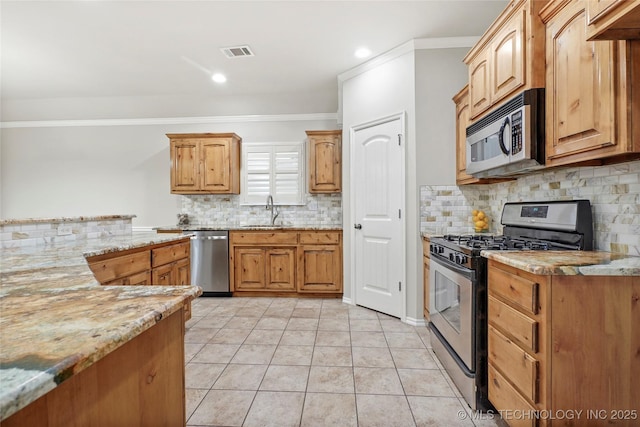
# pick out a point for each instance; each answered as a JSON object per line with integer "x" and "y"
{"x": 237, "y": 51}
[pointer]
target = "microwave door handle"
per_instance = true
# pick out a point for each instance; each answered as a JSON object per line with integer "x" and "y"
{"x": 501, "y": 136}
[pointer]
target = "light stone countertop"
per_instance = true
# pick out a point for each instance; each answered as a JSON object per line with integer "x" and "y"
{"x": 231, "y": 227}
{"x": 21, "y": 221}
{"x": 56, "y": 319}
{"x": 586, "y": 263}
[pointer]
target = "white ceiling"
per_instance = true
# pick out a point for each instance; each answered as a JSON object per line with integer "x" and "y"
{"x": 92, "y": 49}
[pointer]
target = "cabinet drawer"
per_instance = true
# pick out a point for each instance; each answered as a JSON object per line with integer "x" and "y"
{"x": 264, "y": 238}
{"x": 121, "y": 266}
{"x": 517, "y": 364}
{"x": 320, "y": 237}
{"x": 167, "y": 254}
{"x": 505, "y": 398}
{"x": 425, "y": 247}
{"x": 521, "y": 327}
{"x": 515, "y": 289}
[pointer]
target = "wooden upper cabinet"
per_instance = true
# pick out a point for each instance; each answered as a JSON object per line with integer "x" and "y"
{"x": 613, "y": 19}
{"x": 591, "y": 107}
{"x": 207, "y": 163}
{"x": 508, "y": 57}
{"x": 461, "y": 100}
{"x": 325, "y": 161}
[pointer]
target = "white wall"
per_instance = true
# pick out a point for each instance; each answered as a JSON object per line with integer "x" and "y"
{"x": 381, "y": 91}
{"x": 97, "y": 170}
{"x": 422, "y": 83}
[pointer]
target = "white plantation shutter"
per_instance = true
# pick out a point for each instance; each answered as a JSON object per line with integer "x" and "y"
{"x": 276, "y": 169}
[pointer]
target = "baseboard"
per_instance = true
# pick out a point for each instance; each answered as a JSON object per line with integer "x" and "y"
{"x": 416, "y": 322}
{"x": 347, "y": 301}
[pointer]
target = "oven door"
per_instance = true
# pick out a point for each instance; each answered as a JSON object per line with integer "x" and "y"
{"x": 454, "y": 307}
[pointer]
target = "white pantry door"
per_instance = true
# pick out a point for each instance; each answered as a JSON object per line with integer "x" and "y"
{"x": 377, "y": 162}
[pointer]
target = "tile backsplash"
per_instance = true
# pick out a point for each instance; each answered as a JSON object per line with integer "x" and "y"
{"x": 614, "y": 193}
{"x": 223, "y": 210}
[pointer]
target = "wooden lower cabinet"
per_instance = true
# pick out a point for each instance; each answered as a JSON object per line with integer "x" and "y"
{"x": 425, "y": 276}
{"x": 165, "y": 264}
{"x": 287, "y": 262}
{"x": 140, "y": 383}
{"x": 563, "y": 343}
{"x": 264, "y": 269}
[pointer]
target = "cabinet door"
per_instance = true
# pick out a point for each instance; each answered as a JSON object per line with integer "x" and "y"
{"x": 581, "y": 91}
{"x": 462, "y": 121}
{"x": 325, "y": 165}
{"x": 185, "y": 173}
{"x": 479, "y": 85}
{"x": 216, "y": 160}
{"x": 280, "y": 269}
{"x": 182, "y": 272}
{"x": 162, "y": 275}
{"x": 249, "y": 269}
{"x": 613, "y": 19}
{"x": 320, "y": 268}
{"x": 507, "y": 58}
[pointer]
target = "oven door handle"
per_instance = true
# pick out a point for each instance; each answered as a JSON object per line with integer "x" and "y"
{"x": 445, "y": 263}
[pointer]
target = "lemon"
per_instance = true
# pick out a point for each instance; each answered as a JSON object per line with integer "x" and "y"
{"x": 474, "y": 212}
{"x": 481, "y": 215}
{"x": 479, "y": 224}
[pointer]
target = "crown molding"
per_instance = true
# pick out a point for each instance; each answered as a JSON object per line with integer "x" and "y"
{"x": 168, "y": 120}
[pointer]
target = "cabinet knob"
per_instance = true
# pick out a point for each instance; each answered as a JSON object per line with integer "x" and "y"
{"x": 357, "y": 226}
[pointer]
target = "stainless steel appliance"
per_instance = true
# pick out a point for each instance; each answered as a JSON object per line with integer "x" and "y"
{"x": 210, "y": 261}
{"x": 509, "y": 140}
{"x": 458, "y": 283}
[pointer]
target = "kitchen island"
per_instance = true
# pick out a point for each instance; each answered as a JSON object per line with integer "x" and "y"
{"x": 73, "y": 351}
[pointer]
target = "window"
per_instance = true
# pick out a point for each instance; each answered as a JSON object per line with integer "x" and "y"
{"x": 272, "y": 168}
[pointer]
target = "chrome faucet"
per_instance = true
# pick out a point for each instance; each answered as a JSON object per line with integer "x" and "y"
{"x": 270, "y": 207}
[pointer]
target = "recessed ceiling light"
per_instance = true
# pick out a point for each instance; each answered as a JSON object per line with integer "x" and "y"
{"x": 362, "y": 52}
{"x": 219, "y": 78}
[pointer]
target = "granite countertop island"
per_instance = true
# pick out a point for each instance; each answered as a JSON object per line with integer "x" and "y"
{"x": 248, "y": 227}
{"x": 586, "y": 263}
{"x": 56, "y": 320}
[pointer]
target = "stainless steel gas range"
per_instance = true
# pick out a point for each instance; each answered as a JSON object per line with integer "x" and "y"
{"x": 458, "y": 283}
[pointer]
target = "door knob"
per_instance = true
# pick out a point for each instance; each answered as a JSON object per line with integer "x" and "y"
{"x": 357, "y": 226}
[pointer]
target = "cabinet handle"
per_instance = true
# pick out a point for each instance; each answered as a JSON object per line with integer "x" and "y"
{"x": 357, "y": 226}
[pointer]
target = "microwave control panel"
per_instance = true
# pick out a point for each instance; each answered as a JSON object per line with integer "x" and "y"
{"x": 516, "y": 132}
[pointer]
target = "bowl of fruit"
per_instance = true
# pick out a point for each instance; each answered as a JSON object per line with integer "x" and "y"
{"x": 480, "y": 221}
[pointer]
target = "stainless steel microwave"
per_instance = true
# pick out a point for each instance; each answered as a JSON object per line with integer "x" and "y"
{"x": 510, "y": 139}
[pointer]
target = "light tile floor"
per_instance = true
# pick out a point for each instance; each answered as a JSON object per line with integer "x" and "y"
{"x": 314, "y": 362}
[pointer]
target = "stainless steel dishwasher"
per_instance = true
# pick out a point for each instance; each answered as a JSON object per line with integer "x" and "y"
{"x": 210, "y": 261}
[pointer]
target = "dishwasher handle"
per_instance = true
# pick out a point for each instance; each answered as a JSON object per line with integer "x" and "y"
{"x": 208, "y": 237}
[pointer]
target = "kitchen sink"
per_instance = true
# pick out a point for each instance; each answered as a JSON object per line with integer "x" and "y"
{"x": 263, "y": 226}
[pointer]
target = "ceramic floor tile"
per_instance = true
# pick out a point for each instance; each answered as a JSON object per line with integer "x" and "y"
{"x": 240, "y": 377}
{"x": 230, "y": 336}
{"x": 403, "y": 340}
{"x": 241, "y": 323}
{"x": 383, "y": 411}
{"x": 216, "y": 353}
{"x": 377, "y": 381}
{"x": 362, "y": 313}
{"x": 368, "y": 339}
{"x": 309, "y": 303}
{"x": 292, "y": 337}
{"x": 394, "y": 325}
{"x": 275, "y": 409}
{"x": 438, "y": 411}
{"x": 251, "y": 311}
{"x": 254, "y": 354}
{"x": 311, "y": 313}
{"x": 191, "y": 322}
{"x": 425, "y": 382}
{"x": 372, "y": 357}
{"x": 264, "y": 336}
{"x": 413, "y": 358}
{"x": 272, "y": 323}
{"x": 285, "y": 378}
{"x": 302, "y": 324}
{"x": 333, "y": 338}
{"x": 333, "y": 324}
{"x": 202, "y": 375}
{"x": 225, "y": 311}
{"x": 329, "y": 410}
{"x": 332, "y": 356}
{"x": 190, "y": 350}
{"x": 278, "y": 312}
{"x": 330, "y": 379}
{"x": 371, "y": 325}
{"x": 223, "y": 408}
{"x": 199, "y": 335}
{"x": 292, "y": 355}
{"x": 212, "y": 322}
{"x": 193, "y": 397}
